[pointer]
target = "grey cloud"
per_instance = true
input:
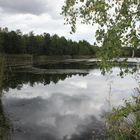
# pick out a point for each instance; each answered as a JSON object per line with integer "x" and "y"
{"x": 39, "y": 16}
{"x": 24, "y": 6}
{"x": 54, "y": 8}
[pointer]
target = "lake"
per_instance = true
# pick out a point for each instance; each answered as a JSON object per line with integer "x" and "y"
{"x": 61, "y": 100}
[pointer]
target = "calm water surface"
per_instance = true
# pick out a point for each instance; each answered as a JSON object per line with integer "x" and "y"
{"x": 61, "y": 101}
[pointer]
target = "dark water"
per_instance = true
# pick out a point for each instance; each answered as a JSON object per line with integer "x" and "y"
{"x": 61, "y": 101}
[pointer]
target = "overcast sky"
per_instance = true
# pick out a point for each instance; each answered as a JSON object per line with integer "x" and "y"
{"x": 40, "y": 16}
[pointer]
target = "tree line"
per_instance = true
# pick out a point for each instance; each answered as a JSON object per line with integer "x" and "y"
{"x": 15, "y": 42}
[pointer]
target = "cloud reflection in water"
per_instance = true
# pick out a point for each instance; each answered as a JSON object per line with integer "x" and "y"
{"x": 70, "y": 107}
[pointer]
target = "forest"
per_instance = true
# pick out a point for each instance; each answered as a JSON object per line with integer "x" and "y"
{"x": 15, "y": 42}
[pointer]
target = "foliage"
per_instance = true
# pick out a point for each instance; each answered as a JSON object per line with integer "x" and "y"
{"x": 124, "y": 122}
{"x": 117, "y": 21}
{"x": 118, "y": 29}
{"x": 14, "y": 42}
{"x": 4, "y": 125}
{"x": 1, "y": 72}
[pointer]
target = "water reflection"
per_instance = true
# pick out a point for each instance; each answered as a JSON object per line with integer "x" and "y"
{"x": 53, "y": 117}
{"x": 18, "y": 79}
{"x": 61, "y": 106}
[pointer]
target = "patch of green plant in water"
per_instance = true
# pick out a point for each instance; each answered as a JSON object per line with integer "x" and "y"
{"x": 124, "y": 121}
